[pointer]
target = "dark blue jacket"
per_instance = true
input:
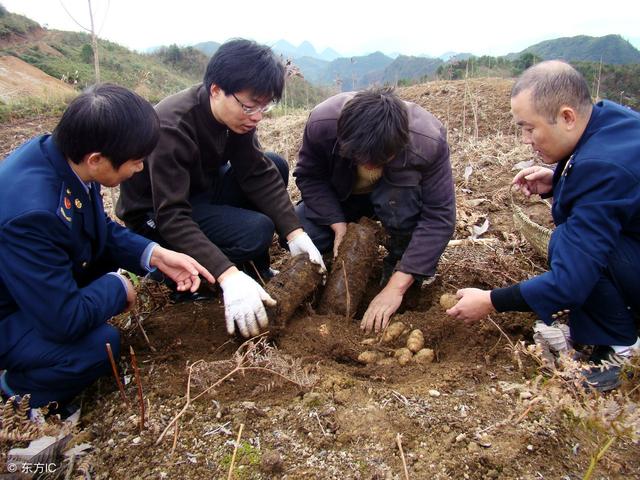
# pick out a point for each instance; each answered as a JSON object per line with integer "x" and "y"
{"x": 596, "y": 201}
{"x": 56, "y": 245}
{"x": 325, "y": 179}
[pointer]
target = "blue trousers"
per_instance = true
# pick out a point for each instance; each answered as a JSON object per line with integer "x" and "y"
{"x": 609, "y": 315}
{"x": 54, "y": 372}
{"x": 230, "y": 220}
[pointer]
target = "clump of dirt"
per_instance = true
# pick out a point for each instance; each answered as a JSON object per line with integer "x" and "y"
{"x": 297, "y": 280}
{"x": 351, "y": 269}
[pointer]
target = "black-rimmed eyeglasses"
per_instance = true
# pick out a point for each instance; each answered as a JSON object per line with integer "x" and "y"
{"x": 253, "y": 110}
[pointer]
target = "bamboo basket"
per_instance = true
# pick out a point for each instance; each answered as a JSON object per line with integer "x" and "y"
{"x": 537, "y": 235}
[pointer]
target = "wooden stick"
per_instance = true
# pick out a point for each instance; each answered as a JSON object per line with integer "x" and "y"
{"x": 346, "y": 290}
{"x": 404, "y": 462}
{"x": 136, "y": 372}
{"x": 235, "y": 450}
{"x": 144, "y": 333}
{"x": 257, "y": 273}
{"x": 115, "y": 373}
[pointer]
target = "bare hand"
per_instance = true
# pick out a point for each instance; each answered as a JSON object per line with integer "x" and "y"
{"x": 385, "y": 304}
{"x": 535, "y": 179}
{"x": 181, "y": 268}
{"x": 474, "y": 304}
{"x": 131, "y": 294}
{"x": 339, "y": 229}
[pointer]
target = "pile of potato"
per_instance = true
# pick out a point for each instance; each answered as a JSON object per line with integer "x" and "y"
{"x": 414, "y": 350}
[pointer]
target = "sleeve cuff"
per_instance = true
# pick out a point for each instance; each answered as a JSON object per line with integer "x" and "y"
{"x": 122, "y": 281}
{"x": 145, "y": 258}
{"x": 509, "y": 299}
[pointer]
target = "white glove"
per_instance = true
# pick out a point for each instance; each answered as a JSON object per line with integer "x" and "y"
{"x": 303, "y": 244}
{"x": 243, "y": 304}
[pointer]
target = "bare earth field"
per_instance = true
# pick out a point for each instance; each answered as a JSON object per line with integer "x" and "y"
{"x": 305, "y": 407}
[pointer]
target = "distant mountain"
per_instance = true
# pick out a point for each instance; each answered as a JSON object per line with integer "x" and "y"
{"x": 612, "y": 49}
{"x": 354, "y": 72}
{"x": 312, "y": 68}
{"x": 447, "y": 55}
{"x": 329, "y": 54}
{"x": 208, "y": 48}
{"x": 329, "y": 68}
{"x": 306, "y": 50}
{"x": 409, "y": 68}
{"x": 460, "y": 56}
{"x": 285, "y": 49}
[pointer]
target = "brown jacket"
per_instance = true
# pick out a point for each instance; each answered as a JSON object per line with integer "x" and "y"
{"x": 192, "y": 146}
{"x": 325, "y": 179}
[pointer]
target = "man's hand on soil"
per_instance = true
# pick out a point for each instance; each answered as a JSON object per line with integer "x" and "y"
{"x": 385, "y": 304}
{"x": 243, "y": 303}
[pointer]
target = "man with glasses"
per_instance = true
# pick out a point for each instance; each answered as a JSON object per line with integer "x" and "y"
{"x": 209, "y": 189}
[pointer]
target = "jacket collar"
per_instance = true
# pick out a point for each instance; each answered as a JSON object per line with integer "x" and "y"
{"x": 88, "y": 205}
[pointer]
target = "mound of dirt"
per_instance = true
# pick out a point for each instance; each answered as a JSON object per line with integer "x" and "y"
{"x": 18, "y": 79}
{"x": 471, "y": 108}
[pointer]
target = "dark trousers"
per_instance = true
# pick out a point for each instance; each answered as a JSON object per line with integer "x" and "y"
{"x": 397, "y": 208}
{"x": 230, "y": 220}
{"x": 55, "y": 372}
{"x": 609, "y": 315}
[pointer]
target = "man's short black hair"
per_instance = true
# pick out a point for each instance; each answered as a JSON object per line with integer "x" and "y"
{"x": 245, "y": 65}
{"x": 108, "y": 119}
{"x": 373, "y": 126}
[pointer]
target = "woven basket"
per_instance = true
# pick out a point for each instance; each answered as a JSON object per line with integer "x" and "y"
{"x": 537, "y": 235}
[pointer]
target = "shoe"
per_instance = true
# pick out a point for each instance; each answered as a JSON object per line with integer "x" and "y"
{"x": 184, "y": 297}
{"x": 605, "y": 374}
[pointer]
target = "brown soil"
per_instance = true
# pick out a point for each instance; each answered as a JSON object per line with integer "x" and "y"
{"x": 467, "y": 415}
{"x": 351, "y": 269}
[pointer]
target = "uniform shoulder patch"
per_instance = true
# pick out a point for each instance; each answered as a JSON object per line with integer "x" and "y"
{"x": 65, "y": 205}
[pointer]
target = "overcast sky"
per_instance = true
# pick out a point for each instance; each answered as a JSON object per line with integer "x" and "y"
{"x": 488, "y": 27}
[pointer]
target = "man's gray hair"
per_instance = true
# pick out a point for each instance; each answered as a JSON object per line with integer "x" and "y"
{"x": 554, "y": 84}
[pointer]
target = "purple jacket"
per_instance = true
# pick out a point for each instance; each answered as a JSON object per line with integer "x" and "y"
{"x": 325, "y": 179}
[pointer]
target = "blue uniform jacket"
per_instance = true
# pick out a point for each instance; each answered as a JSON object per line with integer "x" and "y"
{"x": 596, "y": 201}
{"x": 56, "y": 246}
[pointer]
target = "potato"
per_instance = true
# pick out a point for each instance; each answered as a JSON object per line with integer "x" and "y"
{"x": 368, "y": 341}
{"x": 415, "y": 341}
{"x": 393, "y": 331}
{"x": 448, "y": 300}
{"x": 402, "y": 351}
{"x": 426, "y": 355}
{"x": 403, "y": 355}
{"x": 369, "y": 356}
{"x": 404, "y": 359}
{"x": 386, "y": 361}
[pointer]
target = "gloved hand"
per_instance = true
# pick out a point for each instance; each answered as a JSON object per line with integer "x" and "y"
{"x": 302, "y": 244}
{"x": 243, "y": 304}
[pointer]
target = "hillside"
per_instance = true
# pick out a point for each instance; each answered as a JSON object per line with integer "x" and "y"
{"x": 610, "y": 49}
{"x": 68, "y": 56}
{"x": 18, "y": 79}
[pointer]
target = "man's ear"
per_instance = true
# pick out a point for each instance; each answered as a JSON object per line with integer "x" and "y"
{"x": 93, "y": 160}
{"x": 568, "y": 116}
{"x": 214, "y": 90}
